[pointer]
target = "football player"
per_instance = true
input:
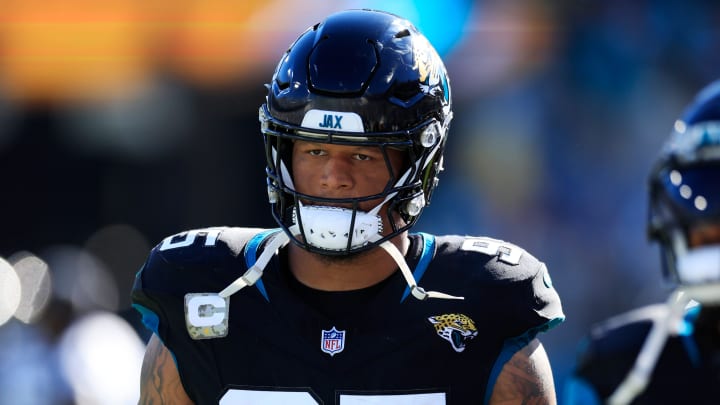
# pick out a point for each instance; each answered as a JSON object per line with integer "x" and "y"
{"x": 670, "y": 353}
{"x": 328, "y": 308}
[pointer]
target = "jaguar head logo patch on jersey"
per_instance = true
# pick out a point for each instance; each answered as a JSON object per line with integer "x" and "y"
{"x": 333, "y": 341}
{"x": 206, "y": 315}
{"x": 457, "y": 329}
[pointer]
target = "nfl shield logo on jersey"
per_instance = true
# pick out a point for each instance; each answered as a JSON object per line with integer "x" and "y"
{"x": 333, "y": 341}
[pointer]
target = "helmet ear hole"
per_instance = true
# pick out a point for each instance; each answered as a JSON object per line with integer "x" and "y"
{"x": 430, "y": 136}
{"x": 415, "y": 206}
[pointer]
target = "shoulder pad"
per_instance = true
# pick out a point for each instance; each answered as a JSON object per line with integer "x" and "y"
{"x": 196, "y": 260}
{"x": 205, "y": 246}
{"x": 502, "y": 260}
{"x": 503, "y": 276}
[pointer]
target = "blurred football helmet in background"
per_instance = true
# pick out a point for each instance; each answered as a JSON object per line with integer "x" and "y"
{"x": 684, "y": 200}
{"x": 685, "y": 192}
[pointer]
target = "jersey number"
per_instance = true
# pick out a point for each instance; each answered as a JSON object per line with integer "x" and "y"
{"x": 505, "y": 252}
{"x": 188, "y": 238}
{"x": 247, "y": 397}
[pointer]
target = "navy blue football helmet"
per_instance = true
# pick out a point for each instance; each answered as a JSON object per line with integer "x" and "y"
{"x": 685, "y": 191}
{"x": 360, "y": 77}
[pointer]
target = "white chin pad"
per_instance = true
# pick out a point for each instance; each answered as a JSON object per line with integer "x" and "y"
{"x": 700, "y": 265}
{"x": 329, "y": 227}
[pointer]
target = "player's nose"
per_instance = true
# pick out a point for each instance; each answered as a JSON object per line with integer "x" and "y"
{"x": 337, "y": 173}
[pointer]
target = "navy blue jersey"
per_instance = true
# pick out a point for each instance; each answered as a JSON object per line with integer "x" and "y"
{"x": 687, "y": 371}
{"x": 282, "y": 342}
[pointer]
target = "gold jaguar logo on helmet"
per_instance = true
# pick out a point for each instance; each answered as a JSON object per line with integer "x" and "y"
{"x": 457, "y": 329}
{"x": 427, "y": 62}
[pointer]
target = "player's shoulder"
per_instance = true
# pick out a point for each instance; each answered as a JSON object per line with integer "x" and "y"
{"x": 499, "y": 280}
{"x": 487, "y": 257}
{"x": 205, "y": 258}
{"x": 204, "y": 242}
{"x": 202, "y": 247}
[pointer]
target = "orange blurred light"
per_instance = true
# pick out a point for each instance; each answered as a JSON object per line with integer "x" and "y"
{"x": 72, "y": 49}
{"x": 63, "y": 50}
{"x": 212, "y": 41}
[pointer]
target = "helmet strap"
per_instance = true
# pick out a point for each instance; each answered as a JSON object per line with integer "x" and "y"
{"x": 253, "y": 274}
{"x": 417, "y": 291}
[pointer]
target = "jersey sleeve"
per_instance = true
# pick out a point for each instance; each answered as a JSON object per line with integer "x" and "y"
{"x": 191, "y": 261}
{"x": 530, "y": 305}
{"x": 204, "y": 260}
{"x": 543, "y": 308}
{"x": 197, "y": 260}
{"x": 508, "y": 291}
{"x": 509, "y": 284}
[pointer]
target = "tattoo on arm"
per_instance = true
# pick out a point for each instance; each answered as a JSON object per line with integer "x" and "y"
{"x": 159, "y": 378}
{"x": 526, "y": 379}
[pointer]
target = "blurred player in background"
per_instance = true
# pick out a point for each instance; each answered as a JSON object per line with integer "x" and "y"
{"x": 327, "y": 308}
{"x": 670, "y": 353}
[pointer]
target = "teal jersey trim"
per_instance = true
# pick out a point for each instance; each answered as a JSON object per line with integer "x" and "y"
{"x": 426, "y": 256}
{"x": 149, "y": 318}
{"x": 251, "y": 249}
{"x": 152, "y": 321}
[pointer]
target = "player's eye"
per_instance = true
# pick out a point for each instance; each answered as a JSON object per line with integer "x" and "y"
{"x": 316, "y": 152}
{"x": 360, "y": 156}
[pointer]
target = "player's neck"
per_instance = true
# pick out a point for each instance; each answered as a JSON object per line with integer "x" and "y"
{"x": 337, "y": 274}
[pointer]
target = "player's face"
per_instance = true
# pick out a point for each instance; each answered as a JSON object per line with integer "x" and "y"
{"x": 342, "y": 171}
{"x": 707, "y": 234}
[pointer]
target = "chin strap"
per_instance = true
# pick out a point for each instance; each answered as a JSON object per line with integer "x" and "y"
{"x": 253, "y": 274}
{"x": 417, "y": 291}
{"x": 637, "y": 379}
